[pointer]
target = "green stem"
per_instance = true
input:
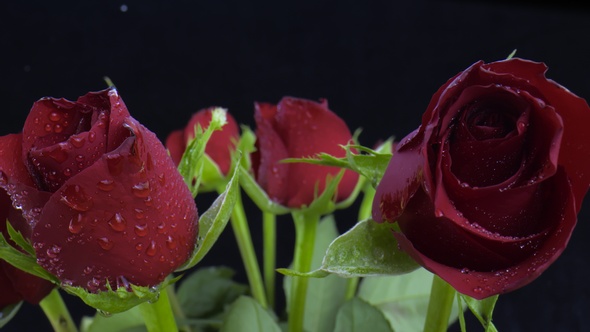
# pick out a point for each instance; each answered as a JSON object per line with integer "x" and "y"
{"x": 351, "y": 286}
{"x": 176, "y": 308}
{"x": 305, "y": 231}
{"x": 439, "y": 306}
{"x": 239, "y": 224}
{"x": 269, "y": 234}
{"x": 158, "y": 316}
{"x": 56, "y": 311}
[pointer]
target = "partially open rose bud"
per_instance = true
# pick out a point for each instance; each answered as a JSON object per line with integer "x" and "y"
{"x": 298, "y": 128}
{"x": 102, "y": 200}
{"x": 219, "y": 147}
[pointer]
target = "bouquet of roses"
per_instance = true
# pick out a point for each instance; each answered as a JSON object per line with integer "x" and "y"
{"x": 476, "y": 202}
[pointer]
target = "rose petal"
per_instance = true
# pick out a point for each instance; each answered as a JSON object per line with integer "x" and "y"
{"x": 128, "y": 218}
{"x": 176, "y": 145}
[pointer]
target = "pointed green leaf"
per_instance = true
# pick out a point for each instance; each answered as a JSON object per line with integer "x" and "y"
{"x": 482, "y": 310}
{"x": 192, "y": 164}
{"x": 324, "y": 296}
{"x": 367, "y": 249}
{"x": 8, "y": 312}
{"x": 18, "y": 238}
{"x": 214, "y": 220}
{"x": 23, "y": 261}
{"x": 357, "y": 315}
{"x": 246, "y": 314}
{"x": 207, "y": 291}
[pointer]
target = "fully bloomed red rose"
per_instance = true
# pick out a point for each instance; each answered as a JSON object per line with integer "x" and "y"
{"x": 219, "y": 147}
{"x": 487, "y": 189}
{"x": 102, "y": 199}
{"x": 298, "y": 128}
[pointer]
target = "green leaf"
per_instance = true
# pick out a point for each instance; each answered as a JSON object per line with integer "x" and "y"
{"x": 193, "y": 160}
{"x": 482, "y": 310}
{"x": 246, "y": 314}
{"x": 403, "y": 299}
{"x": 214, "y": 220}
{"x": 208, "y": 291}
{"x": 18, "y": 238}
{"x": 324, "y": 296}
{"x": 130, "y": 320}
{"x": 115, "y": 301}
{"x": 357, "y": 315}
{"x": 8, "y": 312}
{"x": 367, "y": 249}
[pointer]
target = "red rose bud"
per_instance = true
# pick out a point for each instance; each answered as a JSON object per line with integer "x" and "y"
{"x": 298, "y": 128}
{"x": 219, "y": 147}
{"x": 17, "y": 285}
{"x": 487, "y": 189}
{"x": 103, "y": 201}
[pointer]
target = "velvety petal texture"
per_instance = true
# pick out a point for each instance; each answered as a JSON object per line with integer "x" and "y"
{"x": 219, "y": 147}
{"x": 298, "y": 128}
{"x": 100, "y": 197}
{"x": 487, "y": 189}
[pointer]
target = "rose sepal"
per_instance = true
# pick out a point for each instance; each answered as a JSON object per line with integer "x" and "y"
{"x": 195, "y": 166}
{"x": 214, "y": 220}
{"x": 8, "y": 312}
{"x": 367, "y": 249}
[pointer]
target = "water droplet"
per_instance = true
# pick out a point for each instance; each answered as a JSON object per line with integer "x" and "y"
{"x": 162, "y": 179}
{"x": 48, "y": 128}
{"x": 74, "y": 196}
{"x": 151, "y": 249}
{"x": 91, "y": 136}
{"x": 122, "y": 282}
{"x": 438, "y": 213}
{"x": 53, "y": 251}
{"x": 105, "y": 243}
{"x": 118, "y": 223}
{"x": 88, "y": 269}
{"x": 76, "y": 224}
{"x": 139, "y": 246}
{"x": 57, "y": 153}
{"x": 54, "y": 116}
{"x": 139, "y": 214}
{"x": 170, "y": 242}
{"x": 141, "y": 230}
{"x": 148, "y": 201}
{"x": 478, "y": 290}
{"x": 106, "y": 185}
{"x": 58, "y": 128}
{"x": 465, "y": 270}
{"x": 77, "y": 141}
{"x": 104, "y": 313}
{"x": 161, "y": 227}
{"x": 67, "y": 172}
{"x": 141, "y": 189}
{"x": 80, "y": 158}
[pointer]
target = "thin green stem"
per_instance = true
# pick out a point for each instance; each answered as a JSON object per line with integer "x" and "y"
{"x": 177, "y": 309}
{"x": 439, "y": 306}
{"x": 305, "y": 232}
{"x": 351, "y": 287}
{"x": 269, "y": 252}
{"x": 56, "y": 311}
{"x": 239, "y": 224}
{"x": 158, "y": 316}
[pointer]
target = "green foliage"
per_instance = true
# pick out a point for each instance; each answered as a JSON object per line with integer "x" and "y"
{"x": 8, "y": 312}
{"x": 481, "y": 309}
{"x": 357, "y": 315}
{"x": 246, "y": 314}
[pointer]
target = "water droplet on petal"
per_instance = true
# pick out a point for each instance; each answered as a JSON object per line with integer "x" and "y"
{"x": 161, "y": 227}
{"x": 75, "y": 197}
{"x": 77, "y": 141}
{"x": 88, "y": 269}
{"x": 170, "y": 242}
{"x": 139, "y": 214}
{"x": 54, "y": 116}
{"x": 58, "y": 128}
{"x": 141, "y": 189}
{"x": 117, "y": 222}
{"x": 91, "y": 136}
{"x": 53, "y": 251}
{"x": 115, "y": 163}
{"x": 106, "y": 185}
{"x": 151, "y": 249}
{"x": 76, "y": 224}
{"x": 105, "y": 243}
{"x": 141, "y": 230}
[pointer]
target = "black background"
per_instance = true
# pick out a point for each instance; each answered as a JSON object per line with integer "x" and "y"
{"x": 377, "y": 62}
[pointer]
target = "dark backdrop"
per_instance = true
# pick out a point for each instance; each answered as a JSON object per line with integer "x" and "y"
{"x": 377, "y": 63}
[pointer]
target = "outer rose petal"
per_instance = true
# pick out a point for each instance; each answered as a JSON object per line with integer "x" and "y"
{"x": 175, "y": 145}
{"x": 128, "y": 218}
{"x": 304, "y": 128}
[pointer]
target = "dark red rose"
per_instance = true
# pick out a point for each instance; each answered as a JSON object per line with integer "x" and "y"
{"x": 219, "y": 147}
{"x": 487, "y": 189}
{"x": 102, "y": 199}
{"x": 297, "y": 128}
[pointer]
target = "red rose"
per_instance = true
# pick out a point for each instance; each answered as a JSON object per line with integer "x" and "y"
{"x": 297, "y": 128}
{"x": 102, "y": 199}
{"x": 487, "y": 189}
{"x": 219, "y": 147}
